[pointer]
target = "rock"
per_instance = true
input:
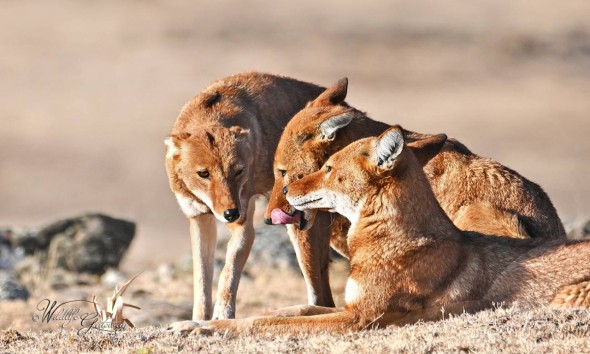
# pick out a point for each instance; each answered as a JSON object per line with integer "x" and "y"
{"x": 91, "y": 243}
{"x": 273, "y": 249}
{"x": 60, "y": 278}
{"x": 10, "y": 287}
{"x": 15, "y": 244}
{"x": 20, "y": 238}
{"x": 30, "y": 271}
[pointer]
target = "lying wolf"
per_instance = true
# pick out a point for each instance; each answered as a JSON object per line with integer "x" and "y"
{"x": 408, "y": 261}
{"x": 477, "y": 193}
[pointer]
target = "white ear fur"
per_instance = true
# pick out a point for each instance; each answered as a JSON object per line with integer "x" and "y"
{"x": 330, "y": 126}
{"x": 388, "y": 147}
{"x": 172, "y": 149}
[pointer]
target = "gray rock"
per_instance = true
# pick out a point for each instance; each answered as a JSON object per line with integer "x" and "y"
{"x": 91, "y": 243}
{"x": 272, "y": 248}
{"x": 15, "y": 244}
{"x": 10, "y": 287}
{"x": 19, "y": 238}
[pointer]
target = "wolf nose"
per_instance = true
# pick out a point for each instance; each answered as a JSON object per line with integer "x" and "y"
{"x": 231, "y": 214}
{"x": 285, "y": 190}
{"x": 268, "y": 221}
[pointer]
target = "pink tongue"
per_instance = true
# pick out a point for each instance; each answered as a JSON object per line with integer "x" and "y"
{"x": 280, "y": 217}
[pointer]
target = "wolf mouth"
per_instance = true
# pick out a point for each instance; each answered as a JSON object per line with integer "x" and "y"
{"x": 307, "y": 202}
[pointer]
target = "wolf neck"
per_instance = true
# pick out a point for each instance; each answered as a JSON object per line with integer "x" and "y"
{"x": 402, "y": 208}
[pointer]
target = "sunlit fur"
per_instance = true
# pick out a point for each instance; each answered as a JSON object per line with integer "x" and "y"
{"x": 477, "y": 193}
{"x": 409, "y": 262}
{"x": 229, "y": 133}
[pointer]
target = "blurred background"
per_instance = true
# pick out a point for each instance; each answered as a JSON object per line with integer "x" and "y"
{"x": 89, "y": 90}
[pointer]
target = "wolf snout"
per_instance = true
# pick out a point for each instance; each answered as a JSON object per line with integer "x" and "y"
{"x": 231, "y": 214}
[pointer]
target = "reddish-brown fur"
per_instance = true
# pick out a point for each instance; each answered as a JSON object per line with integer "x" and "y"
{"x": 408, "y": 260}
{"x": 219, "y": 156}
{"x": 477, "y": 193}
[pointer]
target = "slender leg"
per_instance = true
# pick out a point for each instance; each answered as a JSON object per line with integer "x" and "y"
{"x": 312, "y": 249}
{"x": 238, "y": 250}
{"x": 342, "y": 321}
{"x": 203, "y": 240}
{"x": 300, "y": 310}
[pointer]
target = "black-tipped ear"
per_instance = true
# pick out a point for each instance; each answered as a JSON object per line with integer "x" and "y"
{"x": 211, "y": 98}
{"x": 388, "y": 147}
{"x": 427, "y": 147}
{"x": 330, "y": 126}
{"x": 333, "y": 95}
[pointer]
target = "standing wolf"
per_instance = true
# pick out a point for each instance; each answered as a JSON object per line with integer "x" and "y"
{"x": 219, "y": 155}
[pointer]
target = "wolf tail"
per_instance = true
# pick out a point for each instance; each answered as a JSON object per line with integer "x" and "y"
{"x": 575, "y": 295}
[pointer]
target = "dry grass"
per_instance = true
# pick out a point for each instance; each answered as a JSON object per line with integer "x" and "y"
{"x": 500, "y": 330}
{"x": 506, "y": 330}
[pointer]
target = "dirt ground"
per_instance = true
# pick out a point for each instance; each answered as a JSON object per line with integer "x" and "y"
{"x": 90, "y": 89}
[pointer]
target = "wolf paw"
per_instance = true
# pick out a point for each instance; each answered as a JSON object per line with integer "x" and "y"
{"x": 190, "y": 327}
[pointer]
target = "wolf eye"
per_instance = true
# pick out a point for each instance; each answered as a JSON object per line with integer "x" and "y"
{"x": 203, "y": 173}
{"x": 283, "y": 172}
{"x": 328, "y": 169}
{"x": 239, "y": 171}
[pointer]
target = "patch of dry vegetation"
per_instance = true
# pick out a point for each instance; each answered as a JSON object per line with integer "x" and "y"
{"x": 501, "y": 330}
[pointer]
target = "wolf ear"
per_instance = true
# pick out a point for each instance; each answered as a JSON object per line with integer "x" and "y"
{"x": 333, "y": 95}
{"x": 330, "y": 126}
{"x": 172, "y": 147}
{"x": 428, "y": 147}
{"x": 388, "y": 147}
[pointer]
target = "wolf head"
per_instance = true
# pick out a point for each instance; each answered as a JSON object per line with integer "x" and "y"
{"x": 360, "y": 170}
{"x": 208, "y": 171}
{"x": 306, "y": 143}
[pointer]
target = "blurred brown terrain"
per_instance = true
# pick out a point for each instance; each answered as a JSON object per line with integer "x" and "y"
{"x": 90, "y": 89}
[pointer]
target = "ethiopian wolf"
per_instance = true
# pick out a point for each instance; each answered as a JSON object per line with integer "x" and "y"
{"x": 477, "y": 193}
{"x": 408, "y": 260}
{"x": 219, "y": 155}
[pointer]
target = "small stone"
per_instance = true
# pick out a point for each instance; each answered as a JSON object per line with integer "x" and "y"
{"x": 10, "y": 287}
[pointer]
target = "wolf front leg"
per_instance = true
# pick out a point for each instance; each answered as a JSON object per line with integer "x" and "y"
{"x": 203, "y": 239}
{"x": 340, "y": 322}
{"x": 313, "y": 254}
{"x": 238, "y": 250}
